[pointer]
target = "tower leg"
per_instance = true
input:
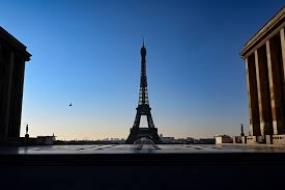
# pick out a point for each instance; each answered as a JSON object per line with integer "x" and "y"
{"x": 137, "y": 120}
{"x": 150, "y": 121}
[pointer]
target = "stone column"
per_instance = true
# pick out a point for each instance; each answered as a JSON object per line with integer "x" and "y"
{"x": 248, "y": 97}
{"x": 259, "y": 92}
{"x": 282, "y": 39}
{"x": 8, "y": 94}
{"x": 18, "y": 97}
{"x": 282, "y": 42}
{"x": 2, "y": 101}
{"x": 252, "y": 96}
{"x": 271, "y": 85}
{"x": 263, "y": 92}
{"x": 273, "y": 50}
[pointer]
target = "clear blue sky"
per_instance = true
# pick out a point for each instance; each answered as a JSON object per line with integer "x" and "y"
{"x": 88, "y": 53}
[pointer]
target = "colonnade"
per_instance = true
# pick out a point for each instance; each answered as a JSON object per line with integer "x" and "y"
{"x": 265, "y": 66}
{"x": 13, "y": 56}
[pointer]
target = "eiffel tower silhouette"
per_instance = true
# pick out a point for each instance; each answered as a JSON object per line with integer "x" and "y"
{"x": 143, "y": 109}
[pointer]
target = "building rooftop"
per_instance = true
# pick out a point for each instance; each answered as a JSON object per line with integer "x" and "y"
{"x": 277, "y": 21}
{"x": 4, "y": 35}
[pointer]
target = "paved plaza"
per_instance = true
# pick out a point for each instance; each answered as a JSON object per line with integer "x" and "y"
{"x": 142, "y": 149}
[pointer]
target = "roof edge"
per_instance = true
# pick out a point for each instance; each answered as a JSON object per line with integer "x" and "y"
{"x": 15, "y": 42}
{"x": 263, "y": 30}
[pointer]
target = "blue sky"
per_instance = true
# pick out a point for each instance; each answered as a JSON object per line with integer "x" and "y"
{"x": 88, "y": 53}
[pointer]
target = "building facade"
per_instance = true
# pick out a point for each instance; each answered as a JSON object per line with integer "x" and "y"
{"x": 13, "y": 55}
{"x": 220, "y": 139}
{"x": 264, "y": 56}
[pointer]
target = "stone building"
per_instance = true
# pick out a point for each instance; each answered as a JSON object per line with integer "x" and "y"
{"x": 13, "y": 55}
{"x": 264, "y": 56}
{"x": 220, "y": 139}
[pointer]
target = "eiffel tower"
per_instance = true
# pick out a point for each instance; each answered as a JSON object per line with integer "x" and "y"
{"x": 143, "y": 109}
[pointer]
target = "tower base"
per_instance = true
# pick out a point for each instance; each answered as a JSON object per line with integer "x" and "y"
{"x": 149, "y": 133}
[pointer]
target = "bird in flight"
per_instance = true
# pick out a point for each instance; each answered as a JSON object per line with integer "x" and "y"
{"x": 70, "y": 104}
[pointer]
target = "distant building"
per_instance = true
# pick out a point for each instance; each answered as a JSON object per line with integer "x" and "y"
{"x": 168, "y": 139}
{"x": 187, "y": 140}
{"x": 13, "y": 55}
{"x": 238, "y": 139}
{"x": 190, "y": 140}
{"x": 45, "y": 140}
{"x": 207, "y": 141}
{"x": 220, "y": 139}
{"x": 180, "y": 140}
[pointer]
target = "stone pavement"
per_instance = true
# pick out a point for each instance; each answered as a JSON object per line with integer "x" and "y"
{"x": 141, "y": 149}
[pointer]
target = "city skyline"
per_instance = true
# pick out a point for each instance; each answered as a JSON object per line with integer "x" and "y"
{"x": 88, "y": 54}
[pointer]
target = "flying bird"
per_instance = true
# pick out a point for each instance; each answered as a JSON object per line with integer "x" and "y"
{"x": 70, "y": 104}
